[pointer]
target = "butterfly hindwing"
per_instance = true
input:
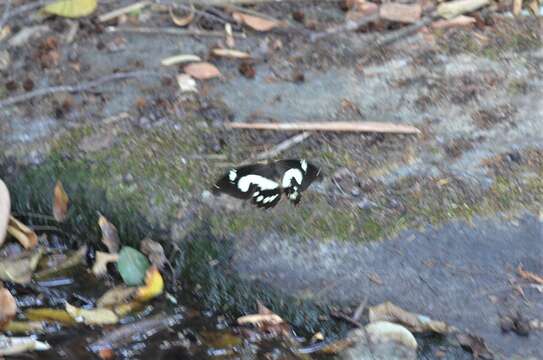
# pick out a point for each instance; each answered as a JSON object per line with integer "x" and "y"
{"x": 266, "y": 198}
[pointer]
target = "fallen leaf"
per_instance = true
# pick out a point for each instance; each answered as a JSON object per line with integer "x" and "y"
{"x": 115, "y": 296}
{"x": 19, "y": 269}
{"x": 71, "y": 8}
{"x": 8, "y": 307}
{"x": 132, "y": 265}
{"x": 259, "y": 319}
{"x": 68, "y": 263}
{"x": 60, "y": 203}
{"x": 361, "y": 10}
{"x": 230, "y": 53}
{"x": 154, "y": 251}
{"x": 50, "y": 315}
{"x": 476, "y": 345}
{"x": 25, "y": 327}
{"x": 99, "y": 316}
{"x": 17, "y": 345}
{"x": 230, "y": 41}
{"x": 415, "y": 322}
{"x": 452, "y": 9}
{"x": 255, "y": 22}
{"x": 517, "y": 7}
{"x": 403, "y": 13}
{"x": 186, "y": 83}
{"x": 202, "y": 70}
{"x": 22, "y": 233}
{"x": 530, "y": 276}
{"x": 178, "y": 59}
{"x": 110, "y": 236}
{"x": 384, "y": 331}
{"x": 5, "y": 208}
{"x": 154, "y": 285}
{"x": 268, "y": 322}
{"x": 183, "y": 20}
{"x": 100, "y": 264}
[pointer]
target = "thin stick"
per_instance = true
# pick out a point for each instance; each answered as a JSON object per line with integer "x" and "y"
{"x": 282, "y": 146}
{"x": 352, "y": 126}
{"x": 347, "y": 27}
{"x": 124, "y": 10}
{"x": 168, "y": 31}
{"x": 360, "y": 309}
{"x": 74, "y": 88}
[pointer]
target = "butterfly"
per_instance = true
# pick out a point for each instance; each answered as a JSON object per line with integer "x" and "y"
{"x": 264, "y": 184}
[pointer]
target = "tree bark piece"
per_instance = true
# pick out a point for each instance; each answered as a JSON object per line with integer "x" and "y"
{"x": 403, "y": 13}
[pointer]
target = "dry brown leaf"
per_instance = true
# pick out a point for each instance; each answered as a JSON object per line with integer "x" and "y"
{"x": 530, "y": 276}
{"x": 22, "y": 233}
{"x": 154, "y": 251}
{"x": 100, "y": 264}
{"x": 231, "y": 53}
{"x": 110, "y": 236}
{"x": 182, "y": 20}
{"x": 476, "y": 345}
{"x": 60, "y": 203}
{"x": 404, "y": 13}
{"x": 415, "y": 322}
{"x": 230, "y": 41}
{"x": 255, "y": 22}
{"x": 19, "y": 269}
{"x": 8, "y": 307}
{"x": 259, "y": 319}
{"x": 5, "y": 208}
{"x": 115, "y": 296}
{"x": 202, "y": 71}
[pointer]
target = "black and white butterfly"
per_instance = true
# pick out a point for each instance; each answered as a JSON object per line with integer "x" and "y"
{"x": 264, "y": 184}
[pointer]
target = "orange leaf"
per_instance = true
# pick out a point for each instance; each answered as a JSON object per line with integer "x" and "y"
{"x": 110, "y": 236}
{"x": 22, "y": 233}
{"x": 8, "y": 307}
{"x": 60, "y": 203}
{"x": 202, "y": 70}
{"x": 254, "y": 22}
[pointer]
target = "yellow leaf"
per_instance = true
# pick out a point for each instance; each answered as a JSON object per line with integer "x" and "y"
{"x": 154, "y": 285}
{"x": 48, "y": 314}
{"x": 99, "y": 316}
{"x": 60, "y": 203}
{"x": 71, "y": 8}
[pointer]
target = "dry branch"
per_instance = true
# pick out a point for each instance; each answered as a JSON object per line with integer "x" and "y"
{"x": 74, "y": 88}
{"x": 351, "y": 25}
{"x": 282, "y": 146}
{"x": 358, "y": 126}
{"x": 124, "y": 10}
{"x": 168, "y": 31}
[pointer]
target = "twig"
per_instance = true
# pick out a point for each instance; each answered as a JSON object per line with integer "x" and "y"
{"x": 282, "y": 146}
{"x": 342, "y": 316}
{"x": 360, "y": 309}
{"x": 124, "y": 10}
{"x": 168, "y": 31}
{"x": 347, "y": 27}
{"x": 358, "y": 126}
{"x": 7, "y": 8}
{"x": 406, "y": 31}
{"x": 74, "y": 88}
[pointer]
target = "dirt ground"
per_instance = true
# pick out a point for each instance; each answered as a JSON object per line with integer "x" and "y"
{"x": 442, "y": 219}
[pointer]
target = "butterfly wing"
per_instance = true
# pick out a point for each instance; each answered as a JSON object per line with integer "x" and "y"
{"x": 244, "y": 181}
{"x": 266, "y": 198}
{"x": 308, "y": 172}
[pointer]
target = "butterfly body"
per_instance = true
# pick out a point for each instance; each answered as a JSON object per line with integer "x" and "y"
{"x": 264, "y": 184}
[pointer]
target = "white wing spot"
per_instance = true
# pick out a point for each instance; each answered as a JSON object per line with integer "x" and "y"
{"x": 263, "y": 183}
{"x": 256, "y": 193}
{"x": 303, "y": 163}
{"x": 292, "y": 174}
{"x": 269, "y": 199}
{"x": 233, "y": 174}
{"x": 260, "y": 198}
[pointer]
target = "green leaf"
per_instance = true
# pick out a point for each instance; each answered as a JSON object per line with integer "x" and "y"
{"x": 132, "y": 266}
{"x": 71, "y": 8}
